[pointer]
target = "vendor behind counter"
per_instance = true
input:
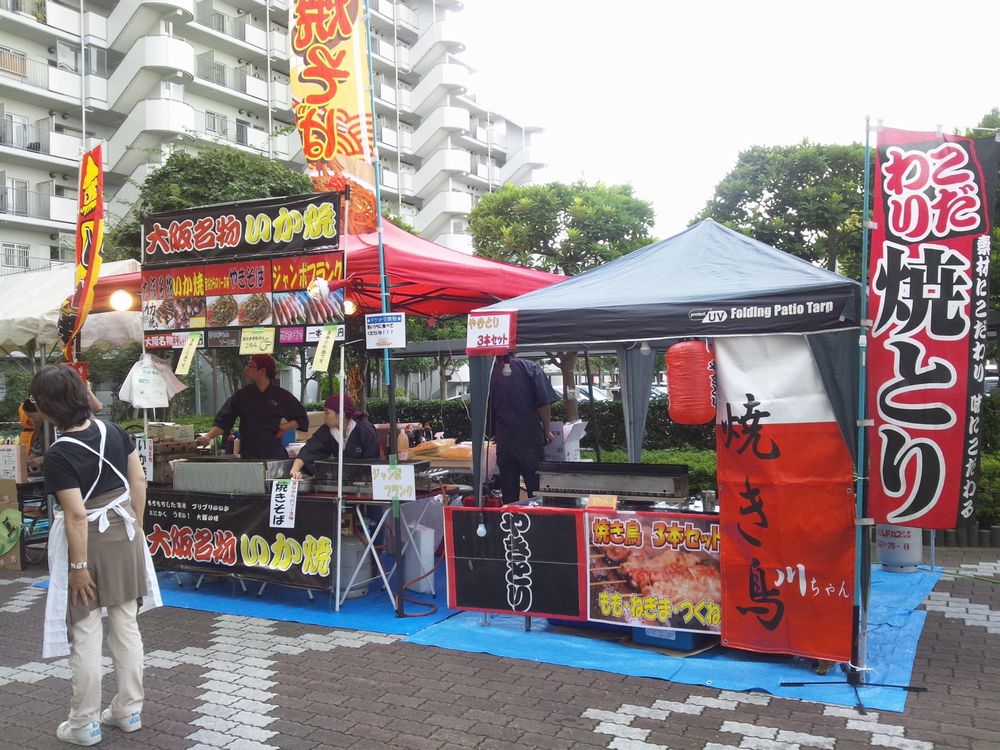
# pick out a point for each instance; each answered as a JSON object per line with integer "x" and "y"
{"x": 324, "y": 443}
{"x": 264, "y": 409}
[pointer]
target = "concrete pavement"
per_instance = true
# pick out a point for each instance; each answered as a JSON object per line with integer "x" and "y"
{"x": 220, "y": 681}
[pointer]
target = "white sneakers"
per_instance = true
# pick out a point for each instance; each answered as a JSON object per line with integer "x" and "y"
{"x": 88, "y": 734}
{"x": 130, "y": 723}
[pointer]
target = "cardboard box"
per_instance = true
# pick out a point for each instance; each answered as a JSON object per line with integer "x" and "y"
{"x": 315, "y": 422}
{"x": 566, "y": 445}
{"x": 11, "y": 526}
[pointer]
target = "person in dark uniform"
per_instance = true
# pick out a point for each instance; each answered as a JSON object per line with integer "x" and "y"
{"x": 520, "y": 415}
{"x": 361, "y": 439}
{"x": 265, "y": 410}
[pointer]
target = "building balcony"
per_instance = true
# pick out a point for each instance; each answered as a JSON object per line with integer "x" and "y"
{"x": 434, "y": 45}
{"x": 38, "y": 144}
{"x": 441, "y": 81}
{"x": 240, "y": 87}
{"x": 133, "y": 19}
{"x": 439, "y": 212}
{"x": 29, "y": 209}
{"x": 36, "y": 80}
{"x": 145, "y": 128}
{"x": 438, "y": 169}
{"x": 150, "y": 60}
{"x": 11, "y": 265}
{"x": 437, "y": 127}
{"x": 519, "y": 167}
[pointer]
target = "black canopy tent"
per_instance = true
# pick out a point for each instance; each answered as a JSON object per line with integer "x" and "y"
{"x": 706, "y": 282}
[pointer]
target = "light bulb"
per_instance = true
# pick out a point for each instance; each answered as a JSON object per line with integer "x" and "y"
{"x": 120, "y": 300}
{"x": 644, "y": 349}
{"x": 350, "y": 306}
{"x": 481, "y": 530}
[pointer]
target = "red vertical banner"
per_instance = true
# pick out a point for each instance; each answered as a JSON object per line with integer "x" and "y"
{"x": 786, "y": 502}
{"x": 89, "y": 241}
{"x": 928, "y": 300}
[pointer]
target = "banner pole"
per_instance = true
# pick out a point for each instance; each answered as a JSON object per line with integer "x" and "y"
{"x": 397, "y": 524}
{"x": 339, "y": 531}
{"x": 862, "y": 552}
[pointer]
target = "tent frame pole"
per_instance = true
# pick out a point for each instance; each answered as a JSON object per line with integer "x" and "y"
{"x": 862, "y": 553}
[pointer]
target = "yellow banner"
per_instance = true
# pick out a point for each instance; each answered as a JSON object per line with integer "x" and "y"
{"x": 330, "y": 85}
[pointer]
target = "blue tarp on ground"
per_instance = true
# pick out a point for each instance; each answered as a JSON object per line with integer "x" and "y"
{"x": 894, "y": 629}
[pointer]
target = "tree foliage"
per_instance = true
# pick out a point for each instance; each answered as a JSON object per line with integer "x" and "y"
{"x": 212, "y": 175}
{"x": 558, "y": 227}
{"x": 804, "y": 199}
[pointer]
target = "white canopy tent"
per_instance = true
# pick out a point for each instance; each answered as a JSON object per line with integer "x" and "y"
{"x": 29, "y": 310}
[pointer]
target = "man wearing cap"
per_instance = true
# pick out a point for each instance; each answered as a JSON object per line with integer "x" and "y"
{"x": 361, "y": 441}
{"x": 265, "y": 410}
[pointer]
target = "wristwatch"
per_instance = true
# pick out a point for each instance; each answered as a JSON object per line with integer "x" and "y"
{"x": 78, "y": 566}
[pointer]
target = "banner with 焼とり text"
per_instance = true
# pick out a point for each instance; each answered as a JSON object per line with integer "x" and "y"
{"x": 786, "y": 501}
{"x": 928, "y": 301}
{"x": 328, "y": 63}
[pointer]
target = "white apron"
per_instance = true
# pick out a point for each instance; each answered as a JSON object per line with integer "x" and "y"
{"x": 55, "y": 639}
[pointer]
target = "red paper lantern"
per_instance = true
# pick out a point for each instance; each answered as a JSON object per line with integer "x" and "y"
{"x": 691, "y": 382}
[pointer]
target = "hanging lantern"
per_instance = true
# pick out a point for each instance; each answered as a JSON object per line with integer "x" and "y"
{"x": 691, "y": 382}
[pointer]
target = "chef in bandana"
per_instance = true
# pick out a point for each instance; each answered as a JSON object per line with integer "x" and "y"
{"x": 98, "y": 557}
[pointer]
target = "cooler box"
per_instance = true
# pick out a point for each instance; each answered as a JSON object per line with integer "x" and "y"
{"x": 676, "y": 640}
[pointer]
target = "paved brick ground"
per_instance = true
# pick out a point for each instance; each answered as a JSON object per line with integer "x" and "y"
{"x": 300, "y": 686}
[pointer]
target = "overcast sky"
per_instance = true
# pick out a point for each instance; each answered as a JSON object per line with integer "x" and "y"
{"x": 664, "y": 94}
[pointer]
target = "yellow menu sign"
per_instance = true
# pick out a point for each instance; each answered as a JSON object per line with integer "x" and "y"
{"x": 257, "y": 341}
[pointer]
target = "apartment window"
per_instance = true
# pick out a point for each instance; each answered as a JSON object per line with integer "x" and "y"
{"x": 62, "y": 253}
{"x": 14, "y": 254}
{"x": 215, "y": 123}
{"x": 67, "y": 56}
{"x": 15, "y": 131}
{"x": 242, "y": 136}
{"x": 16, "y": 197}
{"x": 13, "y": 63}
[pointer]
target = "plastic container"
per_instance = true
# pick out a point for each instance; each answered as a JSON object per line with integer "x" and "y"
{"x": 402, "y": 445}
{"x": 677, "y": 640}
{"x": 900, "y": 549}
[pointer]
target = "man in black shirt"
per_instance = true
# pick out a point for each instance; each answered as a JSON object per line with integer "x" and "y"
{"x": 519, "y": 418}
{"x": 265, "y": 411}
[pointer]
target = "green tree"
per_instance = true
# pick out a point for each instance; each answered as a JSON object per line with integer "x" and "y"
{"x": 560, "y": 228}
{"x": 804, "y": 199}
{"x": 563, "y": 229}
{"x": 211, "y": 175}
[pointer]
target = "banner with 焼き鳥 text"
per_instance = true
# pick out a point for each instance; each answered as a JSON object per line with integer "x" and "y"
{"x": 328, "y": 59}
{"x": 786, "y": 502}
{"x": 928, "y": 300}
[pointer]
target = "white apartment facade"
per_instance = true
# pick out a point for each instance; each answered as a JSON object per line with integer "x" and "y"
{"x": 158, "y": 75}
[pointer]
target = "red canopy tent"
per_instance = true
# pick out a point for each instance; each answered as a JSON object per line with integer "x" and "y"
{"x": 425, "y": 278}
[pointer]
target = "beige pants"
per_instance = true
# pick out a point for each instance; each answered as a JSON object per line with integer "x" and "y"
{"x": 127, "y": 656}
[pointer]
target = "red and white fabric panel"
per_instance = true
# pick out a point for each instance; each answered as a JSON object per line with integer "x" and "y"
{"x": 786, "y": 502}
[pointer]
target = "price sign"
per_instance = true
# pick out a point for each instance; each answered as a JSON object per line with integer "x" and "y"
{"x": 324, "y": 347}
{"x": 12, "y": 464}
{"x": 187, "y": 353}
{"x": 385, "y": 331}
{"x": 393, "y": 482}
{"x": 491, "y": 333}
{"x": 257, "y": 341}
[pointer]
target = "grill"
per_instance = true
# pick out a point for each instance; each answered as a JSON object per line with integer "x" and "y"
{"x": 358, "y": 475}
{"x": 632, "y": 483}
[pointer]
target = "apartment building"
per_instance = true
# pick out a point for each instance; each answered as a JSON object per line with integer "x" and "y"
{"x": 152, "y": 76}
